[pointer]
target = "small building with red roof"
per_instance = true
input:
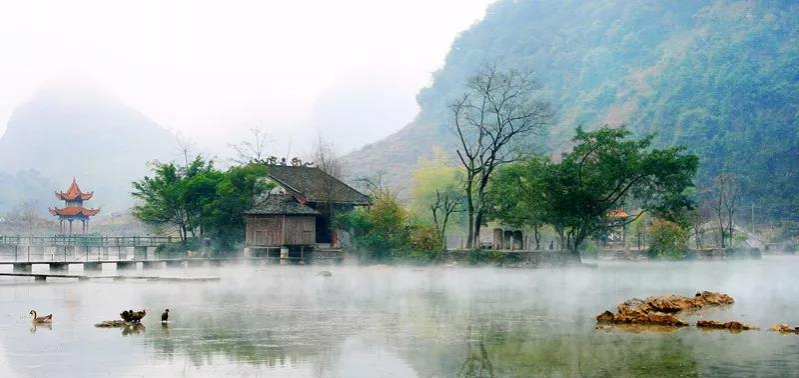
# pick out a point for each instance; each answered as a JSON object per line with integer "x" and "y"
{"x": 73, "y": 209}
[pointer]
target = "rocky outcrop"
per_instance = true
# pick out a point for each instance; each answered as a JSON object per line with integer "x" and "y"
{"x": 784, "y": 328}
{"x": 731, "y": 325}
{"x": 662, "y": 310}
{"x": 112, "y": 324}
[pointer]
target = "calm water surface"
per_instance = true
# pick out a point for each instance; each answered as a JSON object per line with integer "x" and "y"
{"x": 400, "y": 322}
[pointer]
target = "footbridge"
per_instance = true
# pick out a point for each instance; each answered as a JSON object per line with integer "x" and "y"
{"x": 126, "y": 252}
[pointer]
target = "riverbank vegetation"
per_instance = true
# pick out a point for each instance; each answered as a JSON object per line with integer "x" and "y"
{"x": 198, "y": 200}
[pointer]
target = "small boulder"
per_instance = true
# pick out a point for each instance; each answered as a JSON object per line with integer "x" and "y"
{"x": 324, "y": 273}
{"x": 731, "y": 325}
{"x": 784, "y": 328}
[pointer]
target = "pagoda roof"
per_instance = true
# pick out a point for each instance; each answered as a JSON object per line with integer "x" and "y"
{"x": 73, "y": 193}
{"x": 71, "y": 211}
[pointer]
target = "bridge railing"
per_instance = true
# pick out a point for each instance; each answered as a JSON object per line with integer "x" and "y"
{"x": 87, "y": 241}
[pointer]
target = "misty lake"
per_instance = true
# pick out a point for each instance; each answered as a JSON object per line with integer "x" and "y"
{"x": 284, "y": 321}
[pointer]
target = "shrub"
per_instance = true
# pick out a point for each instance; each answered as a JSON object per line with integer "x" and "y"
{"x": 668, "y": 239}
{"x": 426, "y": 242}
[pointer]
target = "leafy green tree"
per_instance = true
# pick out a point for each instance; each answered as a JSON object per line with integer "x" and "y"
{"x": 234, "y": 193}
{"x": 668, "y": 239}
{"x": 380, "y": 232}
{"x": 606, "y": 169}
{"x": 161, "y": 199}
{"x": 199, "y": 198}
{"x": 516, "y": 196}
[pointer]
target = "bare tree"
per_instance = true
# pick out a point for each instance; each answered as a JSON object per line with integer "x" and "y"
{"x": 726, "y": 199}
{"x": 185, "y": 145}
{"x": 253, "y": 150}
{"x": 493, "y": 120}
{"x": 702, "y": 214}
{"x": 447, "y": 202}
{"x": 326, "y": 159}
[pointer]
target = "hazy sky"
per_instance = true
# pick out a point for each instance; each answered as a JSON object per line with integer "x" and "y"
{"x": 214, "y": 69}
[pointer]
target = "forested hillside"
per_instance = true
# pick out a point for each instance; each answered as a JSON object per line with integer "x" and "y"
{"x": 721, "y": 77}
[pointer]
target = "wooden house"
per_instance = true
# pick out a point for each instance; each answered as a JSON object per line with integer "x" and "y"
{"x": 299, "y": 211}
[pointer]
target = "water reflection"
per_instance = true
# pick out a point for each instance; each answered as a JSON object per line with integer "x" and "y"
{"x": 133, "y": 329}
{"x": 36, "y": 326}
{"x": 397, "y": 322}
{"x": 477, "y": 364}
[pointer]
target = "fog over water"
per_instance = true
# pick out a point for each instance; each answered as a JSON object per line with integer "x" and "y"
{"x": 401, "y": 322}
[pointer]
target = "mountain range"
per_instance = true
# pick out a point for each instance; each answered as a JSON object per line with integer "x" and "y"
{"x": 720, "y": 77}
{"x": 66, "y": 131}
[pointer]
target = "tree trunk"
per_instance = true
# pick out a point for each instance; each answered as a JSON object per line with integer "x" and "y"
{"x": 470, "y": 215}
{"x": 722, "y": 228}
{"x": 537, "y": 236}
{"x": 478, "y": 221}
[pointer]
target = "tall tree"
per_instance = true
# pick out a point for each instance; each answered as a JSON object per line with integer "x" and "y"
{"x": 493, "y": 120}
{"x": 727, "y": 191}
{"x": 252, "y": 150}
{"x": 605, "y": 170}
{"x": 516, "y": 196}
{"x": 326, "y": 158}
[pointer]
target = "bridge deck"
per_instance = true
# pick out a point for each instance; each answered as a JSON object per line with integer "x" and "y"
{"x": 83, "y": 277}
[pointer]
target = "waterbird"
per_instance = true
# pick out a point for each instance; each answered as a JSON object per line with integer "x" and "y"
{"x": 43, "y": 319}
{"x": 165, "y": 316}
{"x": 133, "y": 316}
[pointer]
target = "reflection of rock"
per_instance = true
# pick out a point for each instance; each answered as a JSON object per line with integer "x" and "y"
{"x": 133, "y": 329}
{"x": 784, "y": 328}
{"x": 731, "y": 325}
{"x": 661, "y": 310}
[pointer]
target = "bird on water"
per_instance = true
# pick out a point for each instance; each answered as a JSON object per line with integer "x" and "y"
{"x": 44, "y": 319}
{"x": 165, "y": 316}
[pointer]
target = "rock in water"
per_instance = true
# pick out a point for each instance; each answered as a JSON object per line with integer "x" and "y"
{"x": 661, "y": 310}
{"x": 731, "y": 325}
{"x": 784, "y": 328}
{"x": 324, "y": 273}
{"x": 111, "y": 324}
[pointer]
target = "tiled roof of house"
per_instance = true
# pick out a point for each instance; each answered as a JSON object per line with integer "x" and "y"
{"x": 281, "y": 204}
{"x": 314, "y": 185}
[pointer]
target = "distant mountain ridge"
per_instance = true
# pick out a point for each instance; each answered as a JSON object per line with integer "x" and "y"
{"x": 68, "y": 130}
{"x": 720, "y": 77}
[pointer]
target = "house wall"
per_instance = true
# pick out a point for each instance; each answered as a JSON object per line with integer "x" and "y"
{"x": 280, "y": 230}
{"x": 300, "y": 230}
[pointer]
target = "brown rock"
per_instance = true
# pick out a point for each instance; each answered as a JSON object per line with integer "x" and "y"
{"x": 661, "y": 310}
{"x": 784, "y": 328}
{"x": 731, "y": 325}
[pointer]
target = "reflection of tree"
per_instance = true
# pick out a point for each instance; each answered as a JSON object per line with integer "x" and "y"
{"x": 477, "y": 364}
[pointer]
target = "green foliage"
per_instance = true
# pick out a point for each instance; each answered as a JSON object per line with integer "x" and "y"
{"x": 668, "y": 239}
{"x": 426, "y": 242}
{"x": 605, "y": 170}
{"x": 515, "y": 194}
{"x": 384, "y": 232}
{"x": 485, "y": 256}
{"x": 718, "y": 77}
{"x": 199, "y": 199}
{"x": 233, "y": 194}
{"x": 379, "y": 232}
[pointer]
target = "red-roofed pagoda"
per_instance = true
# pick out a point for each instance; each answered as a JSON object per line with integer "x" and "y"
{"x": 74, "y": 210}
